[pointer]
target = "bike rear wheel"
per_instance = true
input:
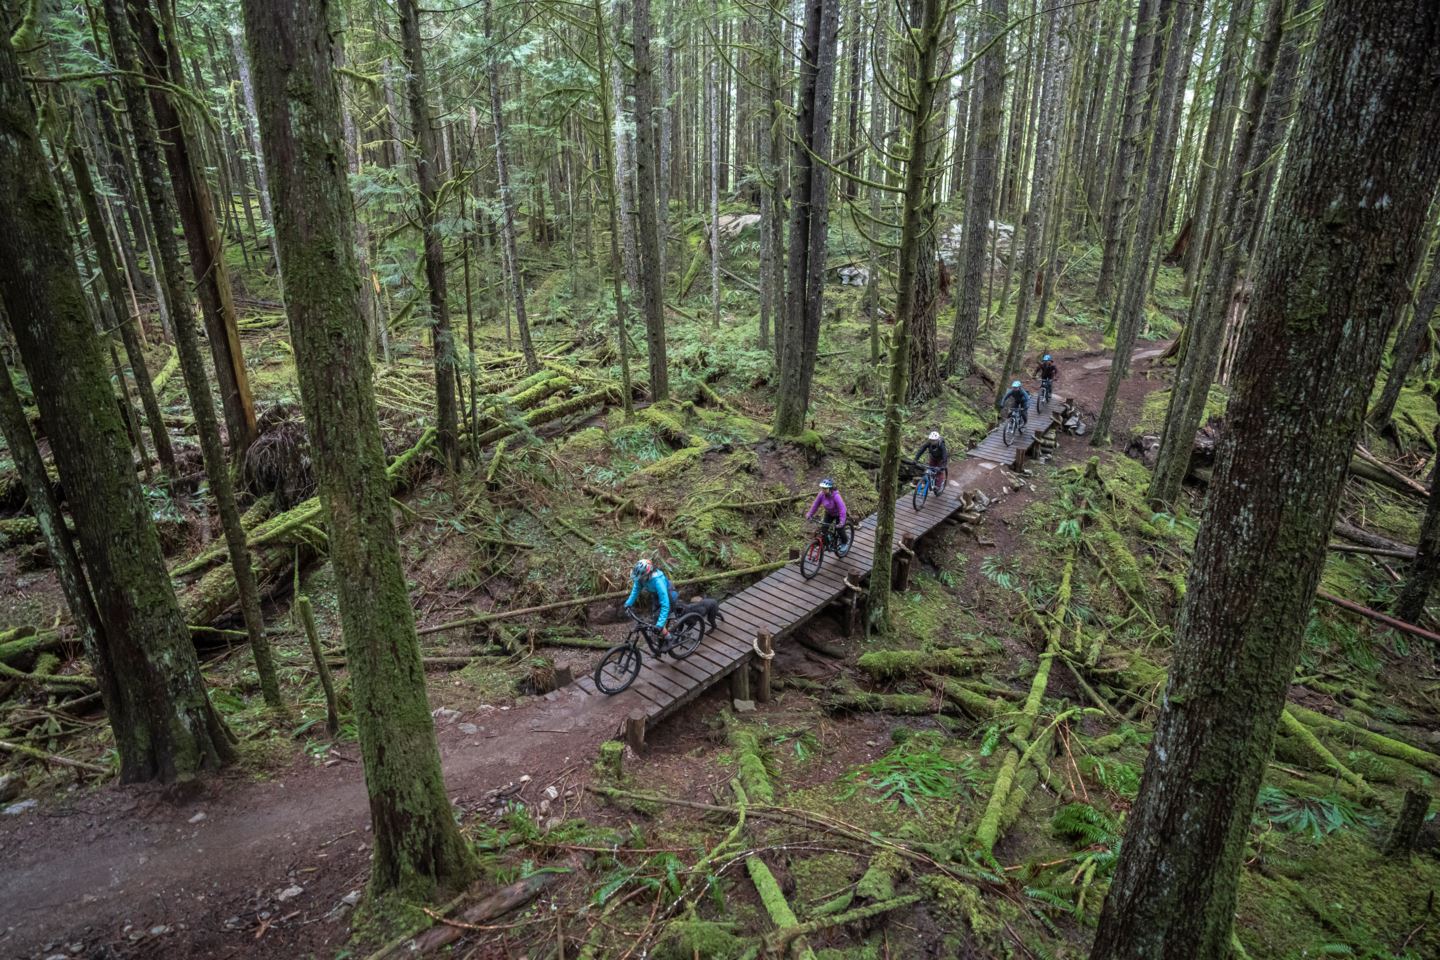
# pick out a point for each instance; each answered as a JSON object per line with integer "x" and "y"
{"x": 617, "y": 669}
{"x": 813, "y": 558}
{"x": 843, "y": 549}
{"x": 686, "y": 635}
{"x": 922, "y": 490}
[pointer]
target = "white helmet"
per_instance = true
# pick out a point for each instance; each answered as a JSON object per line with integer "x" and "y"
{"x": 934, "y": 435}
{"x": 1015, "y": 385}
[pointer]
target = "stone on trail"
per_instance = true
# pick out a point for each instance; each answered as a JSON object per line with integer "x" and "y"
{"x": 289, "y": 893}
{"x": 744, "y": 706}
{"x": 21, "y": 807}
{"x": 10, "y": 786}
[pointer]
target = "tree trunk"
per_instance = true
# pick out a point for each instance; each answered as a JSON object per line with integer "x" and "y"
{"x": 134, "y": 351}
{"x": 980, "y": 201}
{"x": 418, "y": 848}
{"x": 1425, "y": 569}
{"x": 773, "y": 225}
{"x": 507, "y": 199}
{"x": 1050, "y": 131}
{"x": 926, "y": 40}
{"x": 809, "y": 216}
{"x": 1327, "y": 291}
{"x": 652, "y": 281}
{"x": 1172, "y": 20}
{"x": 1407, "y": 348}
{"x": 622, "y": 308}
{"x": 1259, "y": 135}
{"x": 427, "y": 177}
{"x": 712, "y": 142}
{"x": 148, "y": 674}
{"x": 160, "y": 62}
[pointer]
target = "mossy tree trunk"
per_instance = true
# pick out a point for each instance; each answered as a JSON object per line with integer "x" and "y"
{"x": 809, "y": 217}
{"x": 922, "y": 51}
{"x": 1259, "y": 135}
{"x": 192, "y": 363}
{"x": 1425, "y": 568}
{"x": 652, "y": 277}
{"x": 418, "y": 849}
{"x": 149, "y": 677}
{"x": 1333, "y": 276}
{"x": 1407, "y": 348}
{"x": 134, "y": 351}
{"x": 1128, "y": 315}
{"x": 507, "y": 194}
{"x": 605, "y": 100}
{"x": 427, "y": 177}
{"x": 980, "y": 198}
{"x": 160, "y": 63}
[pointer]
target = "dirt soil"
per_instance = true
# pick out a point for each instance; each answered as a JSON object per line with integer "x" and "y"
{"x": 239, "y": 866}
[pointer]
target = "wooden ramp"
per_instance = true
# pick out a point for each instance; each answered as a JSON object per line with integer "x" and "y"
{"x": 785, "y": 600}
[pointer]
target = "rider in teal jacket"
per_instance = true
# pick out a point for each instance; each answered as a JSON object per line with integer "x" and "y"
{"x": 647, "y": 578}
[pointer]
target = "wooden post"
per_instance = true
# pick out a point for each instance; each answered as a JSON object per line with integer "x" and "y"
{"x": 902, "y": 561}
{"x": 854, "y": 620}
{"x": 635, "y": 732}
{"x": 740, "y": 681}
{"x": 1019, "y": 463}
{"x": 564, "y": 675}
{"x": 794, "y": 553}
{"x": 767, "y": 653}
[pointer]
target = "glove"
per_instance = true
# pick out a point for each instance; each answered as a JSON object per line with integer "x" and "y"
{"x": 665, "y": 632}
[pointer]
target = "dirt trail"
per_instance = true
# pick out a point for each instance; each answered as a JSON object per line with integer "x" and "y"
{"x": 141, "y": 872}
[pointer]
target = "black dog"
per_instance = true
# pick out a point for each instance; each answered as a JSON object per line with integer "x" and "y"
{"x": 707, "y": 608}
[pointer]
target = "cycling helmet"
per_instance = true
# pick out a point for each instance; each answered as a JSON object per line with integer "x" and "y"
{"x": 934, "y": 435}
{"x": 827, "y": 484}
{"x": 641, "y": 569}
{"x": 1045, "y": 359}
{"x": 1015, "y": 385}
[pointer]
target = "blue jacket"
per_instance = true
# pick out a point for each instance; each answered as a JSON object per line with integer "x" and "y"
{"x": 658, "y": 585}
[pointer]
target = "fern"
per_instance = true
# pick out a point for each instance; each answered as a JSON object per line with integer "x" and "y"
{"x": 1080, "y": 821}
{"x": 912, "y": 772}
{"x": 1001, "y": 572}
{"x": 1315, "y": 817}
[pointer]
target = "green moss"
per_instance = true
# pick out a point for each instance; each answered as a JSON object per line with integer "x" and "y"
{"x": 671, "y": 466}
{"x": 1157, "y": 405}
{"x": 820, "y": 877}
{"x": 685, "y": 939}
{"x": 897, "y": 664}
{"x": 878, "y": 881}
{"x": 752, "y": 766}
{"x": 962, "y": 901}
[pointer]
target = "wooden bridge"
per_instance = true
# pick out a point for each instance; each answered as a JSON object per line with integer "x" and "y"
{"x": 783, "y": 601}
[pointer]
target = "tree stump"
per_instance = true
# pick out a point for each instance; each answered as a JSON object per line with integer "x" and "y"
{"x": 1406, "y": 831}
{"x": 902, "y": 562}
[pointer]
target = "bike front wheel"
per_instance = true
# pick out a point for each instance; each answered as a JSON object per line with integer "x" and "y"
{"x": 1009, "y": 433}
{"x": 922, "y": 490}
{"x": 813, "y": 558}
{"x": 686, "y": 635}
{"x": 843, "y": 549}
{"x": 618, "y": 669}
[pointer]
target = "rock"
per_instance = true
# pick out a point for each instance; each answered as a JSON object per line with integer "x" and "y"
{"x": 445, "y": 715}
{"x": 159, "y": 931}
{"x": 289, "y": 893}
{"x": 730, "y": 225}
{"x": 10, "y": 786}
{"x": 544, "y": 807}
{"x": 351, "y": 898}
{"x": 76, "y": 948}
{"x": 469, "y": 728}
{"x": 744, "y": 706}
{"x": 526, "y": 779}
{"x": 21, "y": 807}
{"x": 552, "y": 794}
{"x": 198, "y": 817}
{"x": 58, "y": 956}
{"x": 552, "y": 823}
{"x": 854, "y": 276}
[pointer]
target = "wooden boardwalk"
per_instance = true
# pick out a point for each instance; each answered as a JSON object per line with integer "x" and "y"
{"x": 785, "y": 600}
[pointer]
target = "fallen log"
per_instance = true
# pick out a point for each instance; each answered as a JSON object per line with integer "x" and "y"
{"x": 1367, "y": 466}
{"x": 1402, "y": 554}
{"x": 1379, "y": 617}
{"x": 1348, "y": 531}
{"x": 32, "y": 753}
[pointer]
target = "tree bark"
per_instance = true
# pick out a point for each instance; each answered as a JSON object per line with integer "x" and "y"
{"x": 418, "y": 848}
{"x": 613, "y": 194}
{"x": 652, "y": 280}
{"x": 1425, "y": 569}
{"x": 148, "y": 674}
{"x": 427, "y": 176}
{"x": 980, "y": 200}
{"x": 1334, "y": 274}
{"x": 1407, "y": 348}
{"x": 160, "y": 62}
{"x": 809, "y": 216}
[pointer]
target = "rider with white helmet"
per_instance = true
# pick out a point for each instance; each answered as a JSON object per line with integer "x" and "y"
{"x": 934, "y": 445}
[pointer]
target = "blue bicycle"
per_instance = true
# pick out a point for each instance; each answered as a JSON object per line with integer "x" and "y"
{"x": 932, "y": 480}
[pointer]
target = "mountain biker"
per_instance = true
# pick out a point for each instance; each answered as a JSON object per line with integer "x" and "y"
{"x": 645, "y": 577}
{"x": 829, "y": 498}
{"x": 1021, "y": 399}
{"x": 1047, "y": 372}
{"x": 939, "y": 453}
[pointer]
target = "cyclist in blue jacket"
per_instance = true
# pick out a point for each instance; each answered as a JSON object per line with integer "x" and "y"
{"x": 645, "y": 577}
{"x": 1021, "y": 399}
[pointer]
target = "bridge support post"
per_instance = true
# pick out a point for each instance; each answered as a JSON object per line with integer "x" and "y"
{"x": 635, "y": 732}
{"x": 740, "y": 681}
{"x": 902, "y": 561}
{"x": 765, "y": 644}
{"x": 854, "y": 610}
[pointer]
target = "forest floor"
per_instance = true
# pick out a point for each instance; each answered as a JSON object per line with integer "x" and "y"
{"x": 268, "y": 858}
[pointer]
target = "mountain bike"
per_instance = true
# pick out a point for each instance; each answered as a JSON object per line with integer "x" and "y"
{"x": 1046, "y": 389}
{"x": 1015, "y": 425}
{"x": 621, "y": 663}
{"x": 827, "y": 537}
{"x": 933, "y": 480}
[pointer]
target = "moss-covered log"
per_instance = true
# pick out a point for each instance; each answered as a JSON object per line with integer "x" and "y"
{"x": 776, "y": 907}
{"x": 900, "y": 664}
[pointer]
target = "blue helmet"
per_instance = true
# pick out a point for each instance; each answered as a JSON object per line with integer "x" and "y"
{"x": 641, "y": 569}
{"x": 1015, "y": 385}
{"x": 1045, "y": 359}
{"x": 827, "y": 484}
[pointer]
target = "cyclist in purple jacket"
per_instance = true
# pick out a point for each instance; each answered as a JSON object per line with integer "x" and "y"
{"x": 829, "y": 498}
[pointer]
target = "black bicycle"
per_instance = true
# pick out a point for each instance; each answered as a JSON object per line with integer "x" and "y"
{"x": 1046, "y": 389}
{"x": 1015, "y": 425}
{"x": 827, "y": 537}
{"x": 621, "y": 664}
{"x": 933, "y": 481}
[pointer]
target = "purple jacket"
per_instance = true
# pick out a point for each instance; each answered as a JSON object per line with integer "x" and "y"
{"x": 832, "y": 502}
